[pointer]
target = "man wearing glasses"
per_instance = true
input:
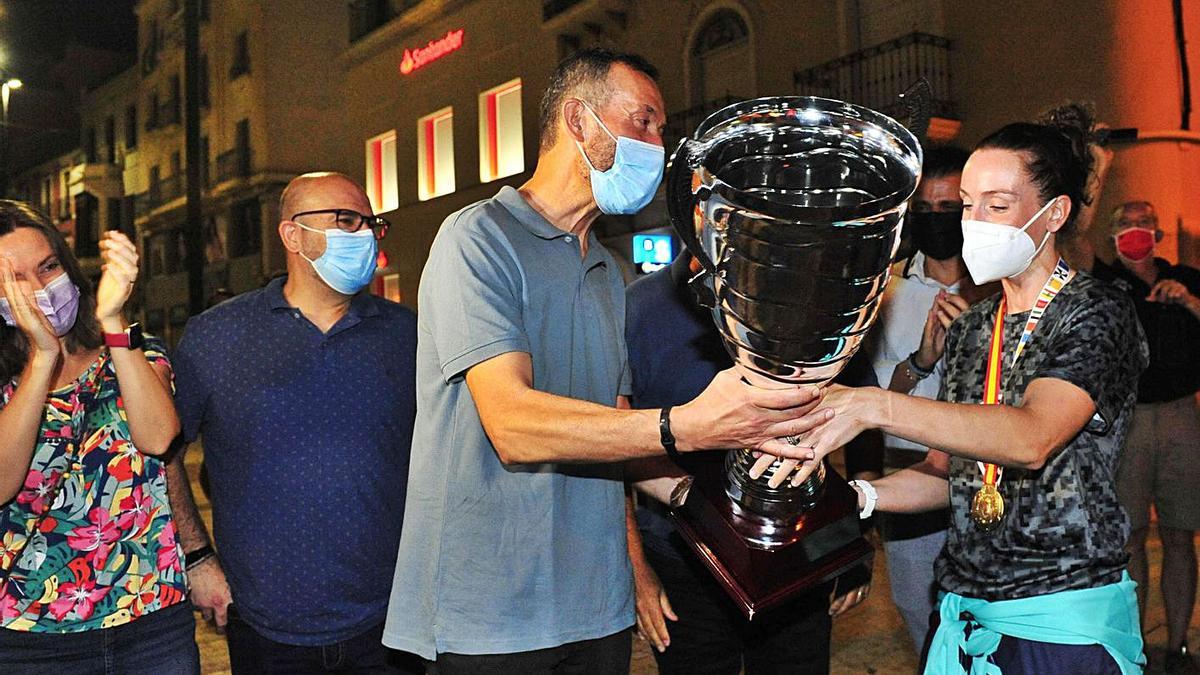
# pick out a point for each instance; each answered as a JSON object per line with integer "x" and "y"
{"x": 303, "y": 392}
{"x": 1159, "y": 466}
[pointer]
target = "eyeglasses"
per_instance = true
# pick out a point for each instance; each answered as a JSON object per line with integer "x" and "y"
{"x": 1145, "y": 222}
{"x": 347, "y": 220}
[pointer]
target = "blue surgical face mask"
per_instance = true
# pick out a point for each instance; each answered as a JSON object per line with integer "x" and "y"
{"x": 348, "y": 263}
{"x": 629, "y": 184}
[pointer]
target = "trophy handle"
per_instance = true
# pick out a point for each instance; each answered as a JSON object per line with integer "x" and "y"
{"x": 679, "y": 207}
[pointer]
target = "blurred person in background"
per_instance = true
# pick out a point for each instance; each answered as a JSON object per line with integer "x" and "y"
{"x": 1160, "y": 466}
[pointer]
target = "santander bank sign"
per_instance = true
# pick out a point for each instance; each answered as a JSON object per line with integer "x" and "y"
{"x": 418, "y": 57}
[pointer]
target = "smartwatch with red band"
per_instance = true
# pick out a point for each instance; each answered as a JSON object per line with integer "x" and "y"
{"x": 130, "y": 338}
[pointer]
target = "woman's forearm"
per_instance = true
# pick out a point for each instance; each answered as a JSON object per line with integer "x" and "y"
{"x": 20, "y": 421}
{"x": 1053, "y": 413}
{"x": 916, "y": 489}
{"x": 146, "y": 392}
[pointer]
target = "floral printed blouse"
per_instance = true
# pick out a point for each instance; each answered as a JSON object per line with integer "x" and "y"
{"x": 89, "y": 541}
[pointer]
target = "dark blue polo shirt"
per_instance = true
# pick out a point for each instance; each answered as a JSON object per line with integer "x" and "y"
{"x": 675, "y": 352}
{"x": 306, "y": 437}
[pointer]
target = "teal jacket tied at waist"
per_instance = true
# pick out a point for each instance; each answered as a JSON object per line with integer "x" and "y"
{"x": 1107, "y": 615}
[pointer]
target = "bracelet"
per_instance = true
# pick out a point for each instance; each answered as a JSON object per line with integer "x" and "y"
{"x": 665, "y": 436}
{"x": 870, "y": 497}
{"x": 198, "y": 556}
{"x": 917, "y": 371}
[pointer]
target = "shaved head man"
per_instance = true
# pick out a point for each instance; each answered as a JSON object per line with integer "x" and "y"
{"x": 303, "y": 394}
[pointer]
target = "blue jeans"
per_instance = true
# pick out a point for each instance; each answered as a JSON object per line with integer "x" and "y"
{"x": 910, "y": 571}
{"x": 159, "y": 643}
{"x": 251, "y": 653}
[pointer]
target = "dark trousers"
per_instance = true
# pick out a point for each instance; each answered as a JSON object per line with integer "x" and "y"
{"x": 712, "y": 637}
{"x": 1016, "y": 656}
{"x": 251, "y": 653}
{"x": 158, "y": 643}
{"x": 601, "y": 656}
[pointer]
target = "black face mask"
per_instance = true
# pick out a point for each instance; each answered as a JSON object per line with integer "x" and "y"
{"x": 938, "y": 234}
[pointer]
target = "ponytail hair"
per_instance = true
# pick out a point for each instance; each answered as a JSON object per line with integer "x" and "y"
{"x": 1055, "y": 152}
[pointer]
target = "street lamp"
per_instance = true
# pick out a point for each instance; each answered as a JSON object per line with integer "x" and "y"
{"x": 10, "y": 85}
{"x": 7, "y": 87}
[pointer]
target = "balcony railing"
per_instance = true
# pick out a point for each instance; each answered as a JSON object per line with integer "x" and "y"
{"x": 169, "y": 113}
{"x": 232, "y": 164}
{"x": 552, "y": 8}
{"x": 162, "y": 192}
{"x": 684, "y": 122}
{"x": 876, "y": 75}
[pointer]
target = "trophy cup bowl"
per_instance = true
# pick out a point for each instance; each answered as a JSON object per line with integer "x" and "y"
{"x": 793, "y": 208}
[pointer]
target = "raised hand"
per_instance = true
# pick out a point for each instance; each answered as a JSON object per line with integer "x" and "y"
{"x": 945, "y": 309}
{"x": 29, "y": 318}
{"x": 120, "y": 273}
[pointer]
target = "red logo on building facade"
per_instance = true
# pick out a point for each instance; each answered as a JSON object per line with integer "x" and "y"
{"x": 421, "y": 56}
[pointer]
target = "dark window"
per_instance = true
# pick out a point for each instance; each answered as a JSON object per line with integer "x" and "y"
{"x": 110, "y": 140}
{"x": 241, "y": 56}
{"x": 366, "y": 16}
{"x": 151, "y": 48}
{"x": 172, "y": 108}
{"x": 87, "y": 225}
{"x": 165, "y": 253}
{"x": 89, "y": 145}
{"x": 152, "y": 113}
{"x": 242, "y": 145}
{"x": 114, "y": 220}
{"x": 205, "y": 10}
{"x": 245, "y": 229}
{"x": 203, "y": 86}
{"x": 154, "y": 194}
{"x": 131, "y": 127}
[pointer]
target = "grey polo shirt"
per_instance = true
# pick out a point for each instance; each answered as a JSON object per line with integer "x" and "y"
{"x": 500, "y": 559}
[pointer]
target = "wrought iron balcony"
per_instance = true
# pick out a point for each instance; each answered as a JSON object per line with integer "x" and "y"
{"x": 232, "y": 164}
{"x": 683, "y": 122}
{"x": 876, "y": 75}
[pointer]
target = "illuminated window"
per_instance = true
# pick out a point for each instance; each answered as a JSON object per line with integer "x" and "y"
{"x": 382, "y": 185}
{"x": 501, "y": 149}
{"x": 435, "y": 154}
{"x": 391, "y": 287}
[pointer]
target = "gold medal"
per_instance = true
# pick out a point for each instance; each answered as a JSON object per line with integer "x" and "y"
{"x": 987, "y": 508}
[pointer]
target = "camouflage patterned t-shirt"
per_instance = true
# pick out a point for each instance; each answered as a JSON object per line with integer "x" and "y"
{"x": 1064, "y": 527}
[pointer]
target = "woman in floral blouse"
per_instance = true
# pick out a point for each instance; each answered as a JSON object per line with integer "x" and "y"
{"x": 91, "y": 579}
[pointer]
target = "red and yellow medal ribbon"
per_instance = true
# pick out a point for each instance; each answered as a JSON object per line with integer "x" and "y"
{"x": 992, "y": 394}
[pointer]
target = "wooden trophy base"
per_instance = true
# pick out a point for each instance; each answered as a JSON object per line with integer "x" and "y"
{"x": 810, "y": 549}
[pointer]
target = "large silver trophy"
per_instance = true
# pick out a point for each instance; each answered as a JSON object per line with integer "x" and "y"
{"x": 793, "y": 208}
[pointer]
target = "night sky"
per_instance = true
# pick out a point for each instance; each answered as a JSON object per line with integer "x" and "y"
{"x": 34, "y": 34}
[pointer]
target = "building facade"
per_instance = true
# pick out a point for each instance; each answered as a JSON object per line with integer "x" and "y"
{"x": 433, "y": 105}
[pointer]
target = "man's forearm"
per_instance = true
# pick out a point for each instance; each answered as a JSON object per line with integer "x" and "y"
{"x": 193, "y": 534}
{"x": 578, "y": 431}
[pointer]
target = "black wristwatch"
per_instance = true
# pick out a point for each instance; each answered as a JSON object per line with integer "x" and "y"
{"x": 198, "y": 556}
{"x": 665, "y": 436}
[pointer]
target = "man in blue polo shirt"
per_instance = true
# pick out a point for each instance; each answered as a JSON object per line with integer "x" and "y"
{"x": 303, "y": 392}
{"x": 513, "y": 558}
